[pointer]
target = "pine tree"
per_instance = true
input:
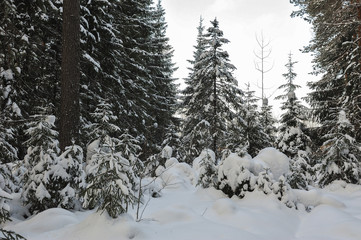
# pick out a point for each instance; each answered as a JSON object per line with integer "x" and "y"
{"x": 192, "y": 142}
{"x": 110, "y": 175}
{"x": 214, "y": 97}
{"x": 101, "y": 59}
{"x": 191, "y": 81}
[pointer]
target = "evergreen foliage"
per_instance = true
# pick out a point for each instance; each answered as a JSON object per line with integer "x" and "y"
{"x": 336, "y": 45}
{"x": 69, "y": 177}
{"x": 340, "y": 154}
{"x": 292, "y": 137}
{"x": 41, "y": 156}
{"x": 302, "y": 173}
{"x": 268, "y": 123}
{"x": 207, "y": 172}
{"x": 254, "y": 136}
{"x": 110, "y": 175}
{"x": 213, "y": 96}
{"x": 161, "y": 69}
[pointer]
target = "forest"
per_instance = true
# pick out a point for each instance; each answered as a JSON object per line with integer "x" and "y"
{"x": 86, "y": 122}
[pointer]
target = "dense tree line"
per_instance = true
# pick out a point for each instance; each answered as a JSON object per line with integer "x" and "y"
{"x": 128, "y": 104}
{"x": 126, "y": 81}
{"x": 335, "y": 98}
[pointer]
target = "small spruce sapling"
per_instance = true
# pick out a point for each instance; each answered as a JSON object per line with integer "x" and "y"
{"x": 207, "y": 171}
{"x": 41, "y": 155}
{"x": 110, "y": 174}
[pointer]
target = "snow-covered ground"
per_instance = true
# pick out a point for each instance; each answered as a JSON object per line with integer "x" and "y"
{"x": 184, "y": 211}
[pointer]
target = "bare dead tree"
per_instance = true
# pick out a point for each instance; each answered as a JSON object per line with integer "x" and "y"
{"x": 261, "y": 63}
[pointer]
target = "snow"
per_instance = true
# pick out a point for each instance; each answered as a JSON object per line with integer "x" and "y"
{"x": 167, "y": 152}
{"x": 186, "y": 211}
{"x": 7, "y": 74}
{"x": 275, "y": 160}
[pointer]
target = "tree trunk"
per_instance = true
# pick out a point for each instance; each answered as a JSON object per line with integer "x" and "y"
{"x": 215, "y": 113}
{"x": 70, "y": 74}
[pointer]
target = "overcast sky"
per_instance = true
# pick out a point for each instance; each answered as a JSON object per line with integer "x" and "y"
{"x": 240, "y": 21}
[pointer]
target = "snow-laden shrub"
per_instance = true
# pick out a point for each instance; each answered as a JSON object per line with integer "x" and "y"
{"x": 264, "y": 182}
{"x": 176, "y": 173}
{"x": 235, "y": 177}
{"x": 239, "y": 175}
{"x": 282, "y": 190}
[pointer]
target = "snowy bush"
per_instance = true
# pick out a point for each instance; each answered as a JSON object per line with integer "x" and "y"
{"x": 239, "y": 175}
{"x": 283, "y": 192}
{"x": 264, "y": 182}
{"x": 235, "y": 177}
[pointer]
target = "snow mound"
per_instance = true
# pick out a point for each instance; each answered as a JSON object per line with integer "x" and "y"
{"x": 174, "y": 214}
{"x": 47, "y": 221}
{"x": 225, "y": 206}
{"x": 315, "y": 197}
{"x": 275, "y": 160}
{"x": 176, "y": 174}
{"x": 197, "y": 161}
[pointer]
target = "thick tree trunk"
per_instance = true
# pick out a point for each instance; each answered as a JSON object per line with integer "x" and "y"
{"x": 70, "y": 74}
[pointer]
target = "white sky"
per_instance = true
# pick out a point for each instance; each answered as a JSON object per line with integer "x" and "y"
{"x": 240, "y": 21}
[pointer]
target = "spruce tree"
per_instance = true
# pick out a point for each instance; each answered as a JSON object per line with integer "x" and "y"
{"x": 110, "y": 175}
{"x": 68, "y": 177}
{"x": 161, "y": 69}
{"x": 207, "y": 171}
{"x": 336, "y": 45}
{"x": 340, "y": 154}
{"x": 41, "y": 156}
{"x": 29, "y": 36}
{"x": 191, "y": 143}
{"x": 214, "y": 98}
{"x": 253, "y": 135}
{"x": 292, "y": 137}
{"x": 268, "y": 123}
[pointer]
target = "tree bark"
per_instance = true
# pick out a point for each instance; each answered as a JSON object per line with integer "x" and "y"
{"x": 70, "y": 74}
